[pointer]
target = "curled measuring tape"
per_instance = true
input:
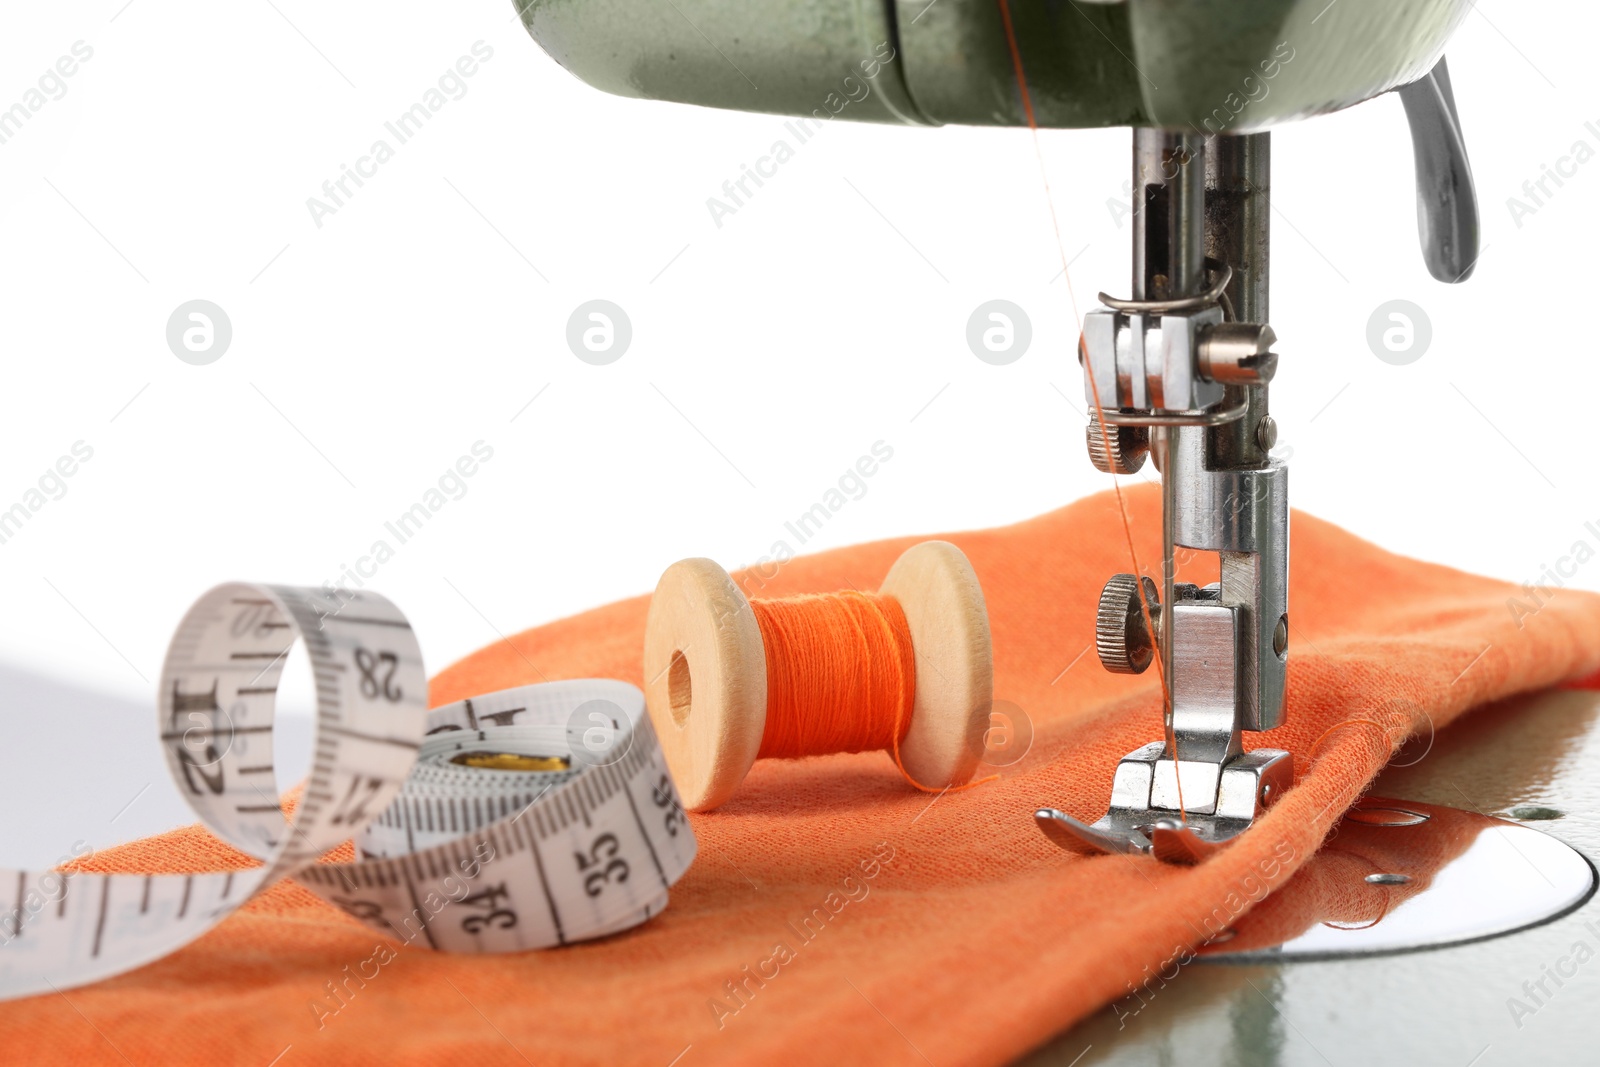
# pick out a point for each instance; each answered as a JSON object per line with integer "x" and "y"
{"x": 522, "y": 819}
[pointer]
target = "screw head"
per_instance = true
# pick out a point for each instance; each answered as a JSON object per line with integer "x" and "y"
{"x": 1267, "y": 433}
{"x": 1121, "y": 639}
{"x": 1116, "y": 449}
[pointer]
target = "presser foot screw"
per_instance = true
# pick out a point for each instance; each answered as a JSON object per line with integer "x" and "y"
{"x": 1119, "y": 449}
{"x": 1121, "y": 638}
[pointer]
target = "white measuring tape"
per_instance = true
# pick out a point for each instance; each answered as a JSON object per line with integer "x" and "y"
{"x": 523, "y": 819}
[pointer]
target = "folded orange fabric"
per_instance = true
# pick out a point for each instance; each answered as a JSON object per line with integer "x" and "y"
{"x": 834, "y": 914}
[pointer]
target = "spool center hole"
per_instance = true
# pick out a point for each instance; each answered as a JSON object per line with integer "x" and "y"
{"x": 680, "y": 691}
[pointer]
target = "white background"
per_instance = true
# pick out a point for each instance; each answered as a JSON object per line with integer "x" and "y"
{"x": 768, "y": 354}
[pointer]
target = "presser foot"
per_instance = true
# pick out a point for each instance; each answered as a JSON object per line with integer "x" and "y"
{"x": 1221, "y": 801}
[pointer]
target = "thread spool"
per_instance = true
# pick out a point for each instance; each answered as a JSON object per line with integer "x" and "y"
{"x": 705, "y": 665}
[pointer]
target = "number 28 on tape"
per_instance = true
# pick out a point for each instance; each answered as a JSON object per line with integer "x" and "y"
{"x": 522, "y": 819}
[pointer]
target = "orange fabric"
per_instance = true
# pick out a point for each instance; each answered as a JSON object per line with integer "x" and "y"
{"x": 841, "y": 674}
{"x": 863, "y": 922}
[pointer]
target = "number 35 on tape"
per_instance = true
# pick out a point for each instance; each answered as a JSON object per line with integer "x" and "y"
{"x": 518, "y": 820}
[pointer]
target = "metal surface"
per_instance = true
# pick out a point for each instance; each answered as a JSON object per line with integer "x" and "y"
{"x": 1447, "y": 204}
{"x": 1076, "y": 836}
{"x": 1210, "y": 417}
{"x": 1238, "y": 353}
{"x": 1169, "y": 187}
{"x": 1211, "y": 66}
{"x": 1243, "y": 516}
{"x": 1173, "y": 359}
{"x": 1204, "y": 692}
{"x": 1145, "y": 782}
{"x": 1448, "y": 878}
{"x": 1168, "y": 264}
{"x": 1536, "y": 761}
{"x": 1239, "y": 233}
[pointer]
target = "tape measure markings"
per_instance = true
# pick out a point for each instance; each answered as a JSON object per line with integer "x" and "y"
{"x": 473, "y": 859}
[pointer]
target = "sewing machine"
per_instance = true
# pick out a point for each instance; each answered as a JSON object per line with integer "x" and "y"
{"x": 1179, "y": 370}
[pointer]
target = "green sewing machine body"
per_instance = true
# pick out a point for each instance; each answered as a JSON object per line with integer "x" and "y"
{"x": 1206, "y": 66}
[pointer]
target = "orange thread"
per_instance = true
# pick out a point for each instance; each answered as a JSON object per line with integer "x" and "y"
{"x": 841, "y": 676}
{"x": 1094, "y": 386}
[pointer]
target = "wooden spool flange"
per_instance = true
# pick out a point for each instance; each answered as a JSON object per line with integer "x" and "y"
{"x": 706, "y": 672}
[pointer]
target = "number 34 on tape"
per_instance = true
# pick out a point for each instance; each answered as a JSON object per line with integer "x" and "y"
{"x": 522, "y": 819}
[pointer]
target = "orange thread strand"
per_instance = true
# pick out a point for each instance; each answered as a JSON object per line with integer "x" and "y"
{"x": 841, "y": 677}
{"x": 1094, "y": 386}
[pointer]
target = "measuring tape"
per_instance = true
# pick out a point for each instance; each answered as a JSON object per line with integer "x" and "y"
{"x": 522, "y": 819}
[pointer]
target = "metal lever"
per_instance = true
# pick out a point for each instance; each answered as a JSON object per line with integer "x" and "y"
{"x": 1447, "y": 205}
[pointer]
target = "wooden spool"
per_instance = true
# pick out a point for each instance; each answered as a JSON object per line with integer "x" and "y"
{"x": 706, "y": 672}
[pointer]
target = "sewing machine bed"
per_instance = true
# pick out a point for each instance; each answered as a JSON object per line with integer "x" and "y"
{"x": 1535, "y": 760}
